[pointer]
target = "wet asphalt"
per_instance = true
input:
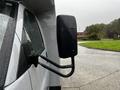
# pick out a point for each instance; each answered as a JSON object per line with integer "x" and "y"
{"x": 95, "y": 70}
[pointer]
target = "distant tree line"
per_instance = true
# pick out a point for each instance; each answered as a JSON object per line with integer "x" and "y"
{"x": 104, "y": 31}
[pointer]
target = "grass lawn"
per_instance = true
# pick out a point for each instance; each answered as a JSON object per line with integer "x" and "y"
{"x": 112, "y": 45}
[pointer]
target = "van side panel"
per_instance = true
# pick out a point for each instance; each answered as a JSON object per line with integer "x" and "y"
{"x": 23, "y": 83}
{"x": 47, "y": 21}
{"x": 45, "y": 12}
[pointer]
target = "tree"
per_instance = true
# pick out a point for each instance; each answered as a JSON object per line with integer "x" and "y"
{"x": 113, "y": 29}
{"x": 99, "y": 31}
{"x": 95, "y": 32}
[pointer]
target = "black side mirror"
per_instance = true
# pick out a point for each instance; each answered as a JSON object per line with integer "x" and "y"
{"x": 67, "y": 45}
{"x": 66, "y": 36}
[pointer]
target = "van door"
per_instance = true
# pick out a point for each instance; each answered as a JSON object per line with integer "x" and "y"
{"x": 12, "y": 54}
{"x": 39, "y": 75}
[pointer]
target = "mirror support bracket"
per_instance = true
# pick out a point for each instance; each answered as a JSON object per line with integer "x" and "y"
{"x": 33, "y": 59}
{"x": 72, "y": 66}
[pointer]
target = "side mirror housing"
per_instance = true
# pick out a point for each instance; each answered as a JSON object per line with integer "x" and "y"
{"x": 67, "y": 46}
{"x": 66, "y": 36}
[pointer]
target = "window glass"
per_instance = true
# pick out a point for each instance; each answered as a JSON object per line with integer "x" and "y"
{"x": 24, "y": 55}
{"x": 3, "y": 26}
{"x": 8, "y": 15}
{"x": 31, "y": 40}
{"x": 5, "y": 16}
{"x": 33, "y": 30}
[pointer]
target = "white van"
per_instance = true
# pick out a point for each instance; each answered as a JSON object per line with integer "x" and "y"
{"x": 31, "y": 44}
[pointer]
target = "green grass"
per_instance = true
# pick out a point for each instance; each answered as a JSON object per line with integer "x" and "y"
{"x": 111, "y": 45}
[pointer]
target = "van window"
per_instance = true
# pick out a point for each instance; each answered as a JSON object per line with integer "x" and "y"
{"x": 24, "y": 53}
{"x": 31, "y": 41}
{"x": 4, "y": 19}
{"x": 33, "y": 30}
{"x": 8, "y": 15}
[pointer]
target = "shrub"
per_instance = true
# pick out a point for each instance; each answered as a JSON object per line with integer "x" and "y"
{"x": 93, "y": 36}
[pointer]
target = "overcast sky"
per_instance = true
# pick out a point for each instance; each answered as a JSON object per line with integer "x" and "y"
{"x": 89, "y": 12}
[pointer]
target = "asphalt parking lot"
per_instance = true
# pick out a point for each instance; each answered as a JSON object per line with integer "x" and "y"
{"x": 95, "y": 70}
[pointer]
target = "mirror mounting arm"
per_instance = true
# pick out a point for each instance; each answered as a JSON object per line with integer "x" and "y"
{"x": 33, "y": 59}
{"x": 72, "y": 66}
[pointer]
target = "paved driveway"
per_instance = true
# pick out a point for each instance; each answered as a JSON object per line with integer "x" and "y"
{"x": 95, "y": 70}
